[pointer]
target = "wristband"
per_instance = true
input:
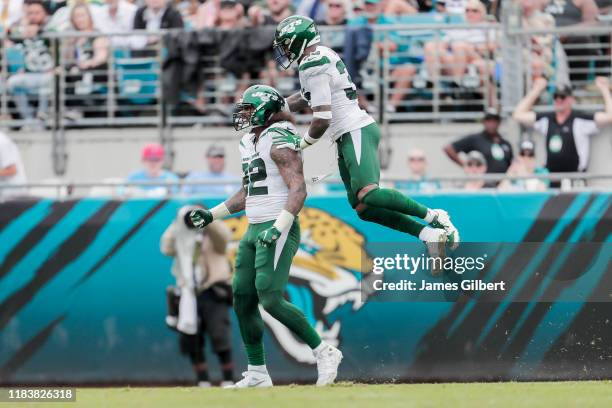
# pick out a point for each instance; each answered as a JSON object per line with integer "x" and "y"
{"x": 307, "y": 141}
{"x": 284, "y": 221}
{"x": 219, "y": 211}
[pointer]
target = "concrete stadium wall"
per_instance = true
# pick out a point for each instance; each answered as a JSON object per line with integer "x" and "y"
{"x": 95, "y": 154}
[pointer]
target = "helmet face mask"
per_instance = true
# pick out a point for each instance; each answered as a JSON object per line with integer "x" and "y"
{"x": 243, "y": 115}
{"x": 258, "y": 104}
{"x": 280, "y": 51}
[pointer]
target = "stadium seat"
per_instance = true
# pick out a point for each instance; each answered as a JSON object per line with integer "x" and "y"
{"x": 15, "y": 59}
{"x": 138, "y": 79}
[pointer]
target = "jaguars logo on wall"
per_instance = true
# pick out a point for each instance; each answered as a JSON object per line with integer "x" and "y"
{"x": 325, "y": 275}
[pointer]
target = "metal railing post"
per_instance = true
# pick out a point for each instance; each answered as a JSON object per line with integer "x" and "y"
{"x": 435, "y": 103}
{"x": 4, "y": 109}
{"x": 58, "y": 131}
{"x": 512, "y": 55}
{"x": 110, "y": 83}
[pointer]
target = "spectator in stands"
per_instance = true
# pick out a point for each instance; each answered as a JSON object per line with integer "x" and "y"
{"x": 113, "y": 17}
{"x": 402, "y": 71}
{"x": 189, "y": 12}
{"x": 153, "y": 156}
{"x": 231, "y": 15}
{"x": 464, "y": 54}
{"x": 605, "y": 6}
{"x": 475, "y": 165}
{"x": 155, "y": 15}
{"x": 579, "y": 49}
{"x": 314, "y": 9}
{"x": 36, "y": 76}
{"x": 525, "y": 165}
{"x": 87, "y": 57}
{"x": 11, "y": 167}
{"x": 207, "y": 14}
{"x": 455, "y": 6}
{"x": 496, "y": 150}
{"x": 417, "y": 163}
{"x": 336, "y": 15}
{"x": 337, "y": 12}
{"x": 567, "y": 130}
{"x": 10, "y": 13}
{"x": 358, "y": 38}
{"x": 199, "y": 304}
{"x": 399, "y": 7}
{"x": 224, "y": 182}
{"x": 540, "y": 53}
{"x": 275, "y": 12}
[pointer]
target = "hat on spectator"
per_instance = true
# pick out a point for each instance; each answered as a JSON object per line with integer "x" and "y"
{"x": 153, "y": 152}
{"x": 492, "y": 114}
{"x": 563, "y": 90}
{"x": 372, "y": 1}
{"x": 215, "y": 151}
{"x": 476, "y": 156}
{"x": 527, "y": 145}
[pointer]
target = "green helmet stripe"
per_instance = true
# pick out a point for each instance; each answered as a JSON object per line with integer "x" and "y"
{"x": 315, "y": 63}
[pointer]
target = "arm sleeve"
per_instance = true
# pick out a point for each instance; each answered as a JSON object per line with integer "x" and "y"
{"x": 320, "y": 93}
{"x": 465, "y": 144}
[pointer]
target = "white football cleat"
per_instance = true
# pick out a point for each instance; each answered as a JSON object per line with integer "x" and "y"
{"x": 328, "y": 361}
{"x": 442, "y": 220}
{"x": 253, "y": 379}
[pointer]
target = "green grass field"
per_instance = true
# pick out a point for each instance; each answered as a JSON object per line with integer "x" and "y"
{"x": 452, "y": 395}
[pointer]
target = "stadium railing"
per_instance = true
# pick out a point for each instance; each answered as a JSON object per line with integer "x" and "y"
{"x": 119, "y": 188}
{"x": 129, "y": 89}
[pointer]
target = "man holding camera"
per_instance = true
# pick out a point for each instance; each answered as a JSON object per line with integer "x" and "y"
{"x": 199, "y": 304}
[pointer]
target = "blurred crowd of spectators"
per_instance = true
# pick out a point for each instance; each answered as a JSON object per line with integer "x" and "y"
{"x": 465, "y": 58}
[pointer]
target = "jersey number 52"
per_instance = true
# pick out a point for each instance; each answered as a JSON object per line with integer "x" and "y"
{"x": 253, "y": 172}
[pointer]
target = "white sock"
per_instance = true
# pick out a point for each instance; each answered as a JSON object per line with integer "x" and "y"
{"x": 429, "y": 217}
{"x": 319, "y": 348}
{"x": 258, "y": 368}
{"x": 429, "y": 234}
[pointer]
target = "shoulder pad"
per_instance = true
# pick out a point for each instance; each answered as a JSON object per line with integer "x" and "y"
{"x": 312, "y": 61}
{"x": 281, "y": 130}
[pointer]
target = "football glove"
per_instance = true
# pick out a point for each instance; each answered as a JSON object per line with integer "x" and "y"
{"x": 282, "y": 138}
{"x": 200, "y": 218}
{"x": 267, "y": 237}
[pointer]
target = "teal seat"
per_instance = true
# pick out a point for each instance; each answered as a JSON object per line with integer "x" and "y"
{"x": 15, "y": 58}
{"x": 138, "y": 79}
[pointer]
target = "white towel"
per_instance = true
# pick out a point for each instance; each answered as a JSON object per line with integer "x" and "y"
{"x": 186, "y": 240}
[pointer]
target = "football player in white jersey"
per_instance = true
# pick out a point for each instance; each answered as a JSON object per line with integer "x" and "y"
{"x": 327, "y": 88}
{"x": 273, "y": 194}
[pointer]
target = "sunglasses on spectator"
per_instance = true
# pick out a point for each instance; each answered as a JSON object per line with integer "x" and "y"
{"x": 416, "y": 158}
{"x": 560, "y": 96}
{"x": 475, "y": 164}
{"x": 527, "y": 153}
{"x": 472, "y": 10}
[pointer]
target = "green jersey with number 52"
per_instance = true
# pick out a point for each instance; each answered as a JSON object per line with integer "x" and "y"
{"x": 266, "y": 190}
{"x": 325, "y": 81}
